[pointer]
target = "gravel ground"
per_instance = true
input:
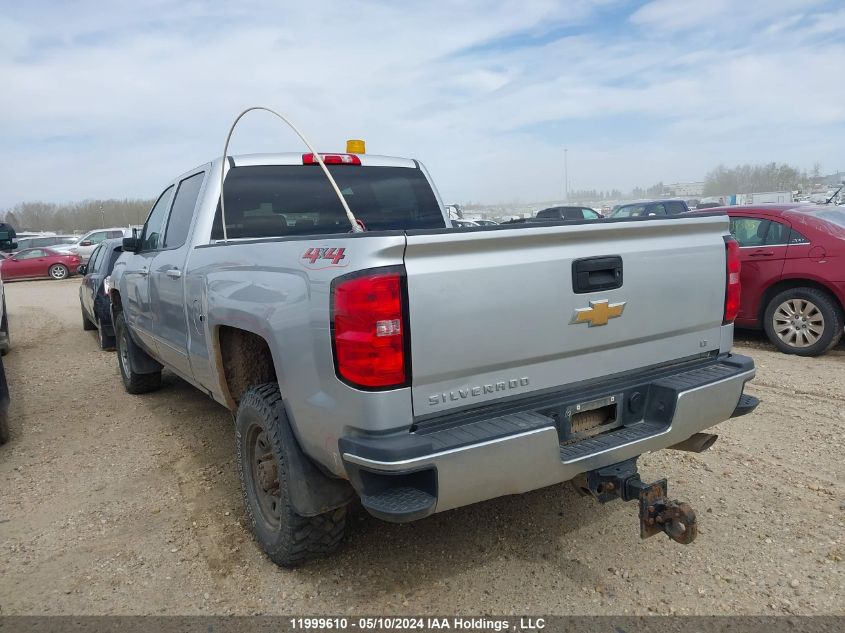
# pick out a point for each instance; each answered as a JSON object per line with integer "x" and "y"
{"x": 119, "y": 504}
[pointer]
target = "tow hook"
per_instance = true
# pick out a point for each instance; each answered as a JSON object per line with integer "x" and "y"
{"x": 657, "y": 512}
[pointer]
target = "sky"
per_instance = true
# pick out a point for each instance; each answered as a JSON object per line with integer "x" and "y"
{"x": 114, "y": 99}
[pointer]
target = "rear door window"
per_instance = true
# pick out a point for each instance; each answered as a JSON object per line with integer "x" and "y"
{"x": 96, "y": 256}
{"x": 183, "y": 211}
{"x": 280, "y": 200}
{"x": 777, "y": 234}
{"x": 674, "y": 207}
{"x": 589, "y": 214}
{"x": 749, "y": 231}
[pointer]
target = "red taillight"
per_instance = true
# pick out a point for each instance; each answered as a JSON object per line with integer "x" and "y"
{"x": 732, "y": 284}
{"x": 369, "y": 330}
{"x": 331, "y": 159}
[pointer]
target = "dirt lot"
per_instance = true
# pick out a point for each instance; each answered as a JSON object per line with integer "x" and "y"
{"x": 111, "y": 503}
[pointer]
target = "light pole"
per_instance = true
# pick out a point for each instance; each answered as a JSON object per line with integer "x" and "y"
{"x": 566, "y": 173}
{"x": 103, "y": 214}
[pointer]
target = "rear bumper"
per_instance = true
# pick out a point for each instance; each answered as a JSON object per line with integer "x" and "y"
{"x": 463, "y": 461}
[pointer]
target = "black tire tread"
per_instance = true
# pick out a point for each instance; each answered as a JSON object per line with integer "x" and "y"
{"x": 825, "y": 302}
{"x": 105, "y": 341}
{"x": 86, "y": 322}
{"x": 4, "y": 427}
{"x": 300, "y": 538}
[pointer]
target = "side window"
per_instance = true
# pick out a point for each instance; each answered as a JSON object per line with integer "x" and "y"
{"x": 183, "y": 211}
{"x": 93, "y": 260}
{"x": 24, "y": 243}
{"x": 549, "y": 214}
{"x": 777, "y": 235}
{"x": 797, "y": 238}
{"x": 151, "y": 238}
{"x": 656, "y": 209}
{"x": 33, "y": 253}
{"x": 96, "y": 238}
{"x": 102, "y": 258}
{"x": 674, "y": 207}
{"x": 749, "y": 231}
{"x": 589, "y": 214}
{"x": 114, "y": 234}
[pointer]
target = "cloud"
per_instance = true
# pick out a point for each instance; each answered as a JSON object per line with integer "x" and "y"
{"x": 99, "y": 101}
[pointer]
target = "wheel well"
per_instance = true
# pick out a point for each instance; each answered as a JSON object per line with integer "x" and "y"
{"x": 246, "y": 361}
{"x": 787, "y": 284}
{"x": 117, "y": 305}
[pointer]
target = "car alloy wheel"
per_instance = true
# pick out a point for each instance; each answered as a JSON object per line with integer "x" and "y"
{"x": 57, "y": 271}
{"x": 798, "y": 323}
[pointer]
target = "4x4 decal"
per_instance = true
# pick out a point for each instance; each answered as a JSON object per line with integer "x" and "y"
{"x": 324, "y": 257}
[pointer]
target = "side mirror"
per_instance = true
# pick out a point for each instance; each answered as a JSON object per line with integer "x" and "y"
{"x": 83, "y": 269}
{"x": 131, "y": 244}
{"x": 85, "y": 243}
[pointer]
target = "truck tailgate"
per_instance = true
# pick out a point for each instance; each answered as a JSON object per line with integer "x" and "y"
{"x": 491, "y": 312}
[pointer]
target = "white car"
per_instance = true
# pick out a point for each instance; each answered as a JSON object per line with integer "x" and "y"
{"x": 88, "y": 242}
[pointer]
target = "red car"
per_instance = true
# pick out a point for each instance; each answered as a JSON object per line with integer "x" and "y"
{"x": 793, "y": 273}
{"x": 35, "y": 263}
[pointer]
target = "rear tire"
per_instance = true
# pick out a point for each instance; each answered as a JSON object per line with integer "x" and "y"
{"x": 126, "y": 350}
{"x": 4, "y": 426}
{"x": 86, "y": 322}
{"x": 5, "y": 341}
{"x": 288, "y": 538}
{"x": 59, "y": 271}
{"x": 4, "y": 406}
{"x": 803, "y": 321}
{"x": 106, "y": 341}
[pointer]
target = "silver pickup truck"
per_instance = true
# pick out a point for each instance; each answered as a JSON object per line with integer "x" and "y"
{"x": 419, "y": 367}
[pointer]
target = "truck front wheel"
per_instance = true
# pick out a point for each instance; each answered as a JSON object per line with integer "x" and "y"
{"x": 288, "y": 538}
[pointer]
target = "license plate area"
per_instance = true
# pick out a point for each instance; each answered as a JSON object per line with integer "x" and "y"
{"x": 586, "y": 419}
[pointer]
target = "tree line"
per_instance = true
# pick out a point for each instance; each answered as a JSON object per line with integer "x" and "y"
{"x": 76, "y": 217}
{"x": 723, "y": 180}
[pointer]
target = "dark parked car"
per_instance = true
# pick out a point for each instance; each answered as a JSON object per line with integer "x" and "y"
{"x": 93, "y": 293}
{"x": 650, "y": 207}
{"x": 792, "y": 272}
{"x": 567, "y": 213}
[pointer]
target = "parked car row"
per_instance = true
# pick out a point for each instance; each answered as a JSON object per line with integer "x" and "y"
{"x": 793, "y": 265}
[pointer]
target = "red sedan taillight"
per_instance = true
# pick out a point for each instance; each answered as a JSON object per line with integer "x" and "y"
{"x": 369, "y": 329}
{"x": 732, "y": 283}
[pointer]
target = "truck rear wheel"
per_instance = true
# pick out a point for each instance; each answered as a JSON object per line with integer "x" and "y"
{"x": 133, "y": 382}
{"x": 288, "y": 538}
{"x": 803, "y": 321}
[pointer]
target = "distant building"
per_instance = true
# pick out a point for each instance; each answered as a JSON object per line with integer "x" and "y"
{"x": 684, "y": 189}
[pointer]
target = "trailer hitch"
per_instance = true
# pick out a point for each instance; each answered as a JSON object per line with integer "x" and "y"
{"x": 657, "y": 513}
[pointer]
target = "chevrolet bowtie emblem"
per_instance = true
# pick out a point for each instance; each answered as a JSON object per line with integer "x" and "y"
{"x": 599, "y": 313}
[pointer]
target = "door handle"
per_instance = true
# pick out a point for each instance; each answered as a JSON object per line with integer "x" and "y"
{"x": 173, "y": 273}
{"x": 143, "y": 272}
{"x": 761, "y": 254}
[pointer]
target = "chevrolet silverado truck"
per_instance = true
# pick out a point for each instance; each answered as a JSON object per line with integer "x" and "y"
{"x": 354, "y": 361}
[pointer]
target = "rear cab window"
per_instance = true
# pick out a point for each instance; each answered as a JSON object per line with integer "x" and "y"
{"x": 282, "y": 200}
